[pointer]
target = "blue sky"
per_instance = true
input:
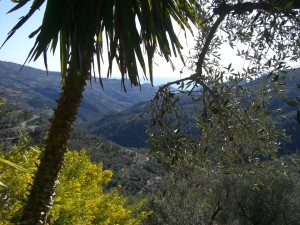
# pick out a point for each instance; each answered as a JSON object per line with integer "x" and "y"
{"x": 18, "y": 47}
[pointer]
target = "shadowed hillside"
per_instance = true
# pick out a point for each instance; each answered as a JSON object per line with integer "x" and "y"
{"x": 127, "y": 128}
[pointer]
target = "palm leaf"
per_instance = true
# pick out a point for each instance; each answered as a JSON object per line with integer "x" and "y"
{"x": 80, "y": 25}
{"x": 35, "y": 6}
{"x": 118, "y": 20}
{"x": 20, "y": 4}
{"x": 13, "y": 165}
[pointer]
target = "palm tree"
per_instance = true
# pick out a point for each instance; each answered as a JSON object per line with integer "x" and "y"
{"x": 79, "y": 27}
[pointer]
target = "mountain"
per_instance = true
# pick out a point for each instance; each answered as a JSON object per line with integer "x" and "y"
{"x": 127, "y": 128}
{"x": 37, "y": 90}
{"x": 114, "y": 113}
{"x": 30, "y": 95}
{"x": 14, "y": 119}
{"x": 133, "y": 169}
{"x": 108, "y": 120}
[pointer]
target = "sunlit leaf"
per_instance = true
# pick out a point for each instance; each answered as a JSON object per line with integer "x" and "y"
{"x": 13, "y": 165}
{"x": 291, "y": 103}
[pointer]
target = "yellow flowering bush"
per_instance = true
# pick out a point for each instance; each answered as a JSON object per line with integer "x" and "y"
{"x": 79, "y": 197}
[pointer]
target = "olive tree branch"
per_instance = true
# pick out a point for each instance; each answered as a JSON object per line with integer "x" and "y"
{"x": 272, "y": 6}
{"x": 223, "y": 10}
{"x": 197, "y": 77}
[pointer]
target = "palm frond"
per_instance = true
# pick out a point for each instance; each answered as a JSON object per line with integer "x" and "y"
{"x": 129, "y": 26}
{"x": 6, "y": 162}
{"x": 35, "y": 6}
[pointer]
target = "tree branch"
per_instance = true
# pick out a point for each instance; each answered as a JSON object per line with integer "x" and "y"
{"x": 208, "y": 40}
{"x": 268, "y": 6}
{"x": 217, "y": 209}
{"x": 197, "y": 76}
{"x": 223, "y": 10}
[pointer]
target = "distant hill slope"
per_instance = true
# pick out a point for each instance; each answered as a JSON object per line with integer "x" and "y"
{"x": 128, "y": 129}
{"x": 132, "y": 168}
{"x": 37, "y": 90}
{"x": 113, "y": 113}
{"x": 31, "y": 94}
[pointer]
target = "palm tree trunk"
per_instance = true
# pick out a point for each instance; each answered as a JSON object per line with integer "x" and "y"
{"x": 40, "y": 199}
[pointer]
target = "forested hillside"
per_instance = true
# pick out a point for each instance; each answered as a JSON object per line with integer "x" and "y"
{"x": 118, "y": 115}
{"x": 133, "y": 169}
{"x": 37, "y": 90}
{"x": 127, "y": 128}
{"x": 220, "y": 149}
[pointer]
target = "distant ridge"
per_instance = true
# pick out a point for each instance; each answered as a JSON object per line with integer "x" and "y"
{"x": 128, "y": 129}
{"x": 112, "y": 113}
{"x": 37, "y": 90}
{"x": 31, "y": 94}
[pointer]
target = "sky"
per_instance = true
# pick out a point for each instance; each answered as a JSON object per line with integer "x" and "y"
{"x": 17, "y": 48}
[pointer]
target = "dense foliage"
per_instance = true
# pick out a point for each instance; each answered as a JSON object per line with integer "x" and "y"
{"x": 267, "y": 193}
{"x": 133, "y": 168}
{"x": 80, "y": 27}
{"x": 80, "y": 196}
{"x": 231, "y": 172}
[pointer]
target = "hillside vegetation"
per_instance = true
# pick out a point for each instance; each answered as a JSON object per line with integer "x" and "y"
{"x": 30, "y": 88}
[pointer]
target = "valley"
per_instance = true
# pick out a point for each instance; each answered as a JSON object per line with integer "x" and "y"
{"x": 110, "y": 122}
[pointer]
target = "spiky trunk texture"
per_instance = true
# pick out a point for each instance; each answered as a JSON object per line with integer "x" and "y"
{"x": 40, "y": 199}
